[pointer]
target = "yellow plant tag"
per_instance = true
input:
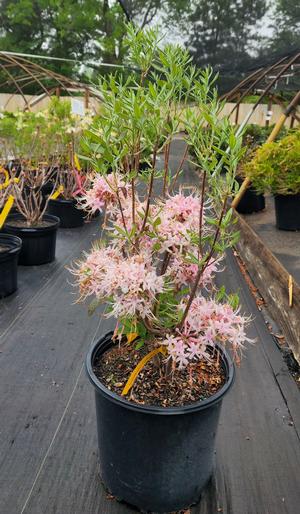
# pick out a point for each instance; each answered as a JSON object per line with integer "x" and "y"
{"x": 6, "y": 181}
{"x": 6, "y": 209}
{"x": 76, "y": 162}
{"x": 56, "y": 193}
{"x": 139, "y": 368}
{"x": 290, "y": 291}
{"x": 131, "y": 337}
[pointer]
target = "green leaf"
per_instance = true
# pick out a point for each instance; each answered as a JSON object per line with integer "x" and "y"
{"x": 93, "y": 306}
{"x": 140, "y": 344}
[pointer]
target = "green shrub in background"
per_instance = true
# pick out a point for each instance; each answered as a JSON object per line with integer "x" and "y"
{"x": 42, "y": 135}
{"x": 275, "y": 166}
{"x": 255, "y": 135}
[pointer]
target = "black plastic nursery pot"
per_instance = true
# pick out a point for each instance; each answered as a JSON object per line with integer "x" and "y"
{"x": 67, "y": 212}
{"x": 10, "y": 247}
{"x": 38, "y": 243}
{"x": 47, "y": 190}
{"x": 155, "y": 458}
{"x": 287, "y": 212}
{"x": 251, "y": 201}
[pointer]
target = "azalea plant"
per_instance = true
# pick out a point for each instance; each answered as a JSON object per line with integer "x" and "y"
{"x": 162, "y": 243}
{"x": 27, "y": 190}
{"x": 24, "y": 134}
{"x": 38, "y": 151}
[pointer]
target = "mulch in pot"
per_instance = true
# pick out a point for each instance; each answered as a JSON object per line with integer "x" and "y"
{"x": 194, "y": 383}
{"x": 22, "y": 223}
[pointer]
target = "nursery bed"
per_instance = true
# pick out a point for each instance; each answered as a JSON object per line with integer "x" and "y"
{"x": 272, "y": 258}
{"x": 48, "y": 459}
{"x": 285, "y": 245}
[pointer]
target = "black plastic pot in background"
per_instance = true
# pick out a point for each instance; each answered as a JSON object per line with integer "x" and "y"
{"x": 287, "y": 212}
{"x": 155, "y": 458}
{"x": 38, "y": 243}
{"x": 47, "y": 190}
{"x": 9, "y": 264}
{"x": 67, "y": 212}
{"x": 144, "y": 166}
{"x": 251, "y": 201}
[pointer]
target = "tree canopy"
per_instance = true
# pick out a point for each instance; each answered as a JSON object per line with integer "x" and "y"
{"x": 286, "y": 25}
{"x": 222, "y": 33}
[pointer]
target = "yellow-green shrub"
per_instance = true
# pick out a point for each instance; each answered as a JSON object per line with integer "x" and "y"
{"x": 275, "y": 166}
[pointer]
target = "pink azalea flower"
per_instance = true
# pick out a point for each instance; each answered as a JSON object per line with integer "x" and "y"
{"x": 103, "y": 192}
{"x": 208, "y": 322}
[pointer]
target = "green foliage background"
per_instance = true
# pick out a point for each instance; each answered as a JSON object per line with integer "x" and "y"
{"x": 221, "y": 33}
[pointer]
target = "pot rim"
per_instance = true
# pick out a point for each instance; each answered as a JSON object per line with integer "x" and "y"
{"x": 33, "y": 230}
{"x": 64, "y": 201}
{"x": 281, "y": 195}
{"x": 154, "y": 409}
{"x": 14, "y": 241}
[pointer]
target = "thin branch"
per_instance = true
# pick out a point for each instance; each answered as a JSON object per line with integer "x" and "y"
{"x": 125, "y": 11}
{"x": 166, "y": 168}
{"x": 179, "y": 168}
{"x": 147, "y": 20}
{"x": 150, "y": 188}
{"x": 133, "y": 200}
{"x": 201, "y": 212}
{"x": 157, "y": 331}
{"x": 165, "y": 262}
{"x": 203, "y": 268}
{"x": 121, "y": 210}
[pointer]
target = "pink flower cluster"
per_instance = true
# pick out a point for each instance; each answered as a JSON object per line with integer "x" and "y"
{"x": 103, "y": 192}
{"x": 127, "y": 213}
{"x": 184, "y": 273}
{"x": 207, "y": 323}
{"x": 179, "y": 216}
{"x": 130, "y": 284}
{"x": 143, "y": 260}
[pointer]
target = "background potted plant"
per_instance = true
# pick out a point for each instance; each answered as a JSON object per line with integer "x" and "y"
{"x": 10, "y": 246}
{"x": 70, "y": 177}
{"x": 252, "y": 200}
{"x": 30, "y": 223}
{"x": 160, "y": 377}
{"x": 30, "y": 157}
{"x": 253, "y": 137}
{"x": 276, "y": 168}
{"x": 65, "y": 202}
{"x": 256, "y": 135}
{"x": 50, "y": 134}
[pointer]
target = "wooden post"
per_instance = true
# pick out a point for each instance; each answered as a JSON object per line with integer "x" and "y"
{"x": 237, "y": 110}
{"x": 86, "y": 98}
{"x": 269, "y": 109}
{"x": 57, "y": 92}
